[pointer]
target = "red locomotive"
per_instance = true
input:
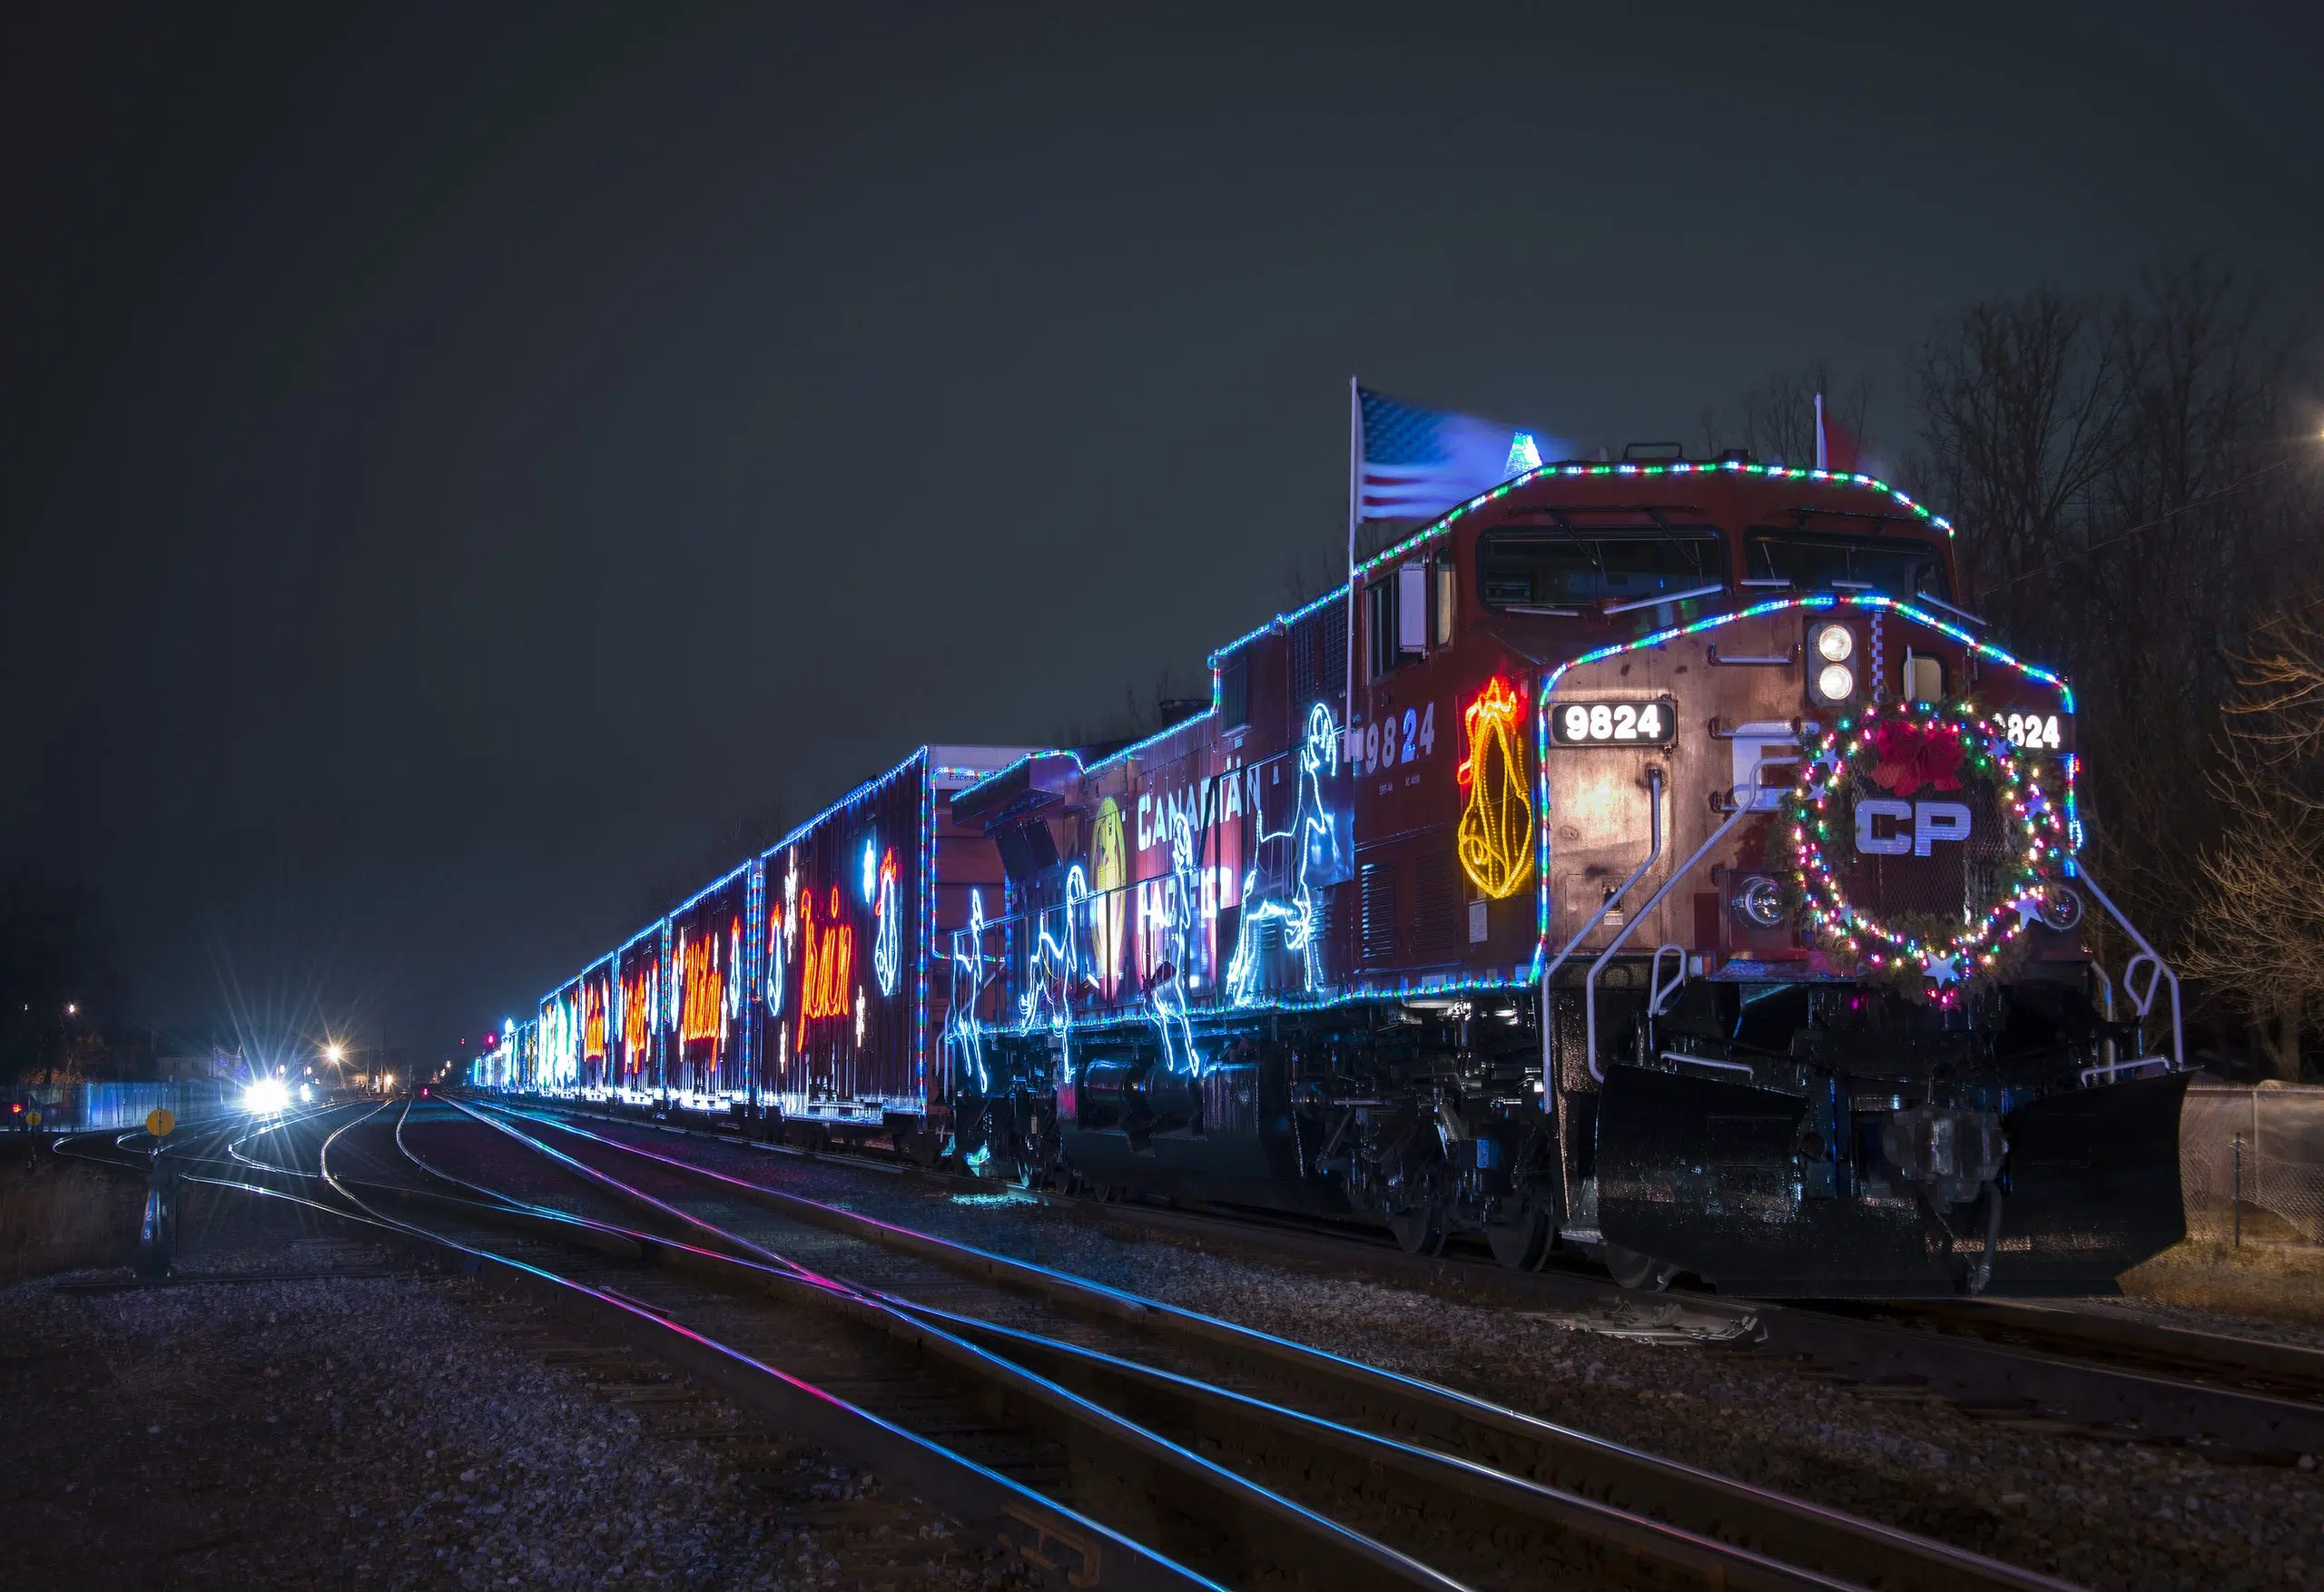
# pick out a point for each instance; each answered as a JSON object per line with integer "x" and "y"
{"x": 1651, "y": 858}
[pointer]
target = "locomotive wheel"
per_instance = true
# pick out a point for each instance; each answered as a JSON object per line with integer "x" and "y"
{"x": 1519, "y": 1233}
{"x": 1633, "y": 1269}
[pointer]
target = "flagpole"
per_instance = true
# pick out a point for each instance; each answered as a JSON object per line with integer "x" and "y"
{"x": 1354, "y": 469}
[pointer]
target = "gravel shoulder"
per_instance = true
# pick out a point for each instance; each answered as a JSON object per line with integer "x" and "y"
{"x": 410, "y": 1430}
{"x": 2101, "y": 1512}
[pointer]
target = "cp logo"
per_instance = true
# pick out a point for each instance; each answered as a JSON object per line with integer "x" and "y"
{"x": 1929, "y": 821}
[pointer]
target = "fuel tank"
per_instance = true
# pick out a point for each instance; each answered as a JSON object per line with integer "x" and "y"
{"x": 1721, "y": 1179}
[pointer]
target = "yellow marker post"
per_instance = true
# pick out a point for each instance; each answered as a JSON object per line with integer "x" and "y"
{"x": 32, "y": 1119}
{"x": 161, "y": 1121}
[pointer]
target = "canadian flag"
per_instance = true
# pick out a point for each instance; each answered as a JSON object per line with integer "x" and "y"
{"x": 1836, "y": 447}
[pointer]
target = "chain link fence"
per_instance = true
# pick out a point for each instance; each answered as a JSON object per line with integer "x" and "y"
{"x": 2251, "y": 1163}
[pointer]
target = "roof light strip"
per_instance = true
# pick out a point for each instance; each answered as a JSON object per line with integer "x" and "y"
{"x": 1680, "y": 468}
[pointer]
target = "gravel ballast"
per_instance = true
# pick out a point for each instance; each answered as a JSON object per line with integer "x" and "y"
{"x": 404, "y": 1432}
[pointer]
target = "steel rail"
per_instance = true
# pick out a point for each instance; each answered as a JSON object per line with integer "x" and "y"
{"x": 2154, "y": 1399}
{"x": 1981, "y": 1370}
{"x": 1525, "y": 1448}
{"x": 2157, "y": 1343}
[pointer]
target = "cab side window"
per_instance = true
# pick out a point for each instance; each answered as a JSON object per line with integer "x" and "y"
{"x": 1409, "y": 611}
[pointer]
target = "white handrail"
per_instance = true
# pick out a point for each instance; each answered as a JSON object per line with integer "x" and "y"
{"x": 1653, "y": 854}
{"x": 1659, "y": 994}
{"x": 1660, "y": 598}
{"x": 2091, "y": 1075}
{"x": 1744, "y": 808}
{"x": 2147, "y": 953}
{"x": 1744, "y": 1068}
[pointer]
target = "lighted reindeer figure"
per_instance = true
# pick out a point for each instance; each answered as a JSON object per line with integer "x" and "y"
{"x": 1310, "y": 825}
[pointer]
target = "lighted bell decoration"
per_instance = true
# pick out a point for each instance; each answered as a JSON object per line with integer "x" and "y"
{"x": 1496, "y": 835}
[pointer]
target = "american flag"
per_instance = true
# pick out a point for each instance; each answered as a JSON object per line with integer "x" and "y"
{"x": 1414, "y": 463}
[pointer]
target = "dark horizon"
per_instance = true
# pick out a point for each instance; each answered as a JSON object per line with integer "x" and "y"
{"x": 461, "y": 468}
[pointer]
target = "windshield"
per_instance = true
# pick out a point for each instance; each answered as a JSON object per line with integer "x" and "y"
{"x": 1893, "y": 565}
{"x": 1559, "y": 568}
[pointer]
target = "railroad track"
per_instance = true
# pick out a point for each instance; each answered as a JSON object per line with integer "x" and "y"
{"x": 1484, "y": 1494}
{"x": 823, "y": 1317}
{"x": 217, "y": 1142}
{"x": 1999, "y": 1360}
{"x": 1107, "y": 1502}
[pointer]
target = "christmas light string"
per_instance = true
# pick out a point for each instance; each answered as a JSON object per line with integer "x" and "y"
{"x": 1933, "y": 969}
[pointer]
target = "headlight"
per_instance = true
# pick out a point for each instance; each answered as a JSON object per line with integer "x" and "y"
{"x": 1760, "y": 902}
{"x": 1835, "y": 683}
{"x": 267, "y": 1097}
{"x": 1834, "y": 644}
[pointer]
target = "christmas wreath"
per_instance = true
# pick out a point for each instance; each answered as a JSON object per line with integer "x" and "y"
{"x": 1894, "y": 809}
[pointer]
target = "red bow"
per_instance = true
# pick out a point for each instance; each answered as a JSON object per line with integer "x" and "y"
{"x": 1908, "y": 756}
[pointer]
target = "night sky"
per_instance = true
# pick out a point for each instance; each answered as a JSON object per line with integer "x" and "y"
{"x": 455, "y": 467}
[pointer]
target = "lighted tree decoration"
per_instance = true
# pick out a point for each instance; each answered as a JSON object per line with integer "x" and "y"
{"x": 1926, "y": 766}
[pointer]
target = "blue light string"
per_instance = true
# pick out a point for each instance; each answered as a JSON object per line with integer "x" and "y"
{"x": 927, "y": 923}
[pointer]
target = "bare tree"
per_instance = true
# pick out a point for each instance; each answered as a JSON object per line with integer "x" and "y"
{"x": 726, "y": 850}
{"x": 1173, "y": 695}
{"x": 1310, "y": 573}
{"x": 1776, "y": 420}
{"x": 2119, "y": 477}
{"x": 2020, "y": 405}
{"x": 58, "y": 982}
{"x": 2263, "y": 901}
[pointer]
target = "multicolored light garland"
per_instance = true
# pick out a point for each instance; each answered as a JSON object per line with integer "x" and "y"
{"x": 1957, "y": 737}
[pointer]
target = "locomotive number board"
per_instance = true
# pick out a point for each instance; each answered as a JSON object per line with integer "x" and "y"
{"x": 1652, "y": 723}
